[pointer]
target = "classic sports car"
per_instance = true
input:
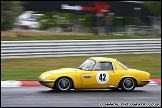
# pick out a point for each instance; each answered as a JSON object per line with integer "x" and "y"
{"x": 95, "y": 73}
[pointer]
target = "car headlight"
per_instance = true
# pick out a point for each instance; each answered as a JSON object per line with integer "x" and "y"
{"x": 46, "y": 75}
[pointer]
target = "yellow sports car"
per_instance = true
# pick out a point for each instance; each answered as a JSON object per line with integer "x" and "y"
{"x": 95, "y": 73}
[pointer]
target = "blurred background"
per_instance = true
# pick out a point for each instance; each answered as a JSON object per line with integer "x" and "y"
{"x": 130, "y": 17}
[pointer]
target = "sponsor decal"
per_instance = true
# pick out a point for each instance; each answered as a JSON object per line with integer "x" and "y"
{"x": 87, "y": 76}
{"x": 98, "y": 7}
{"x": 66, "y": 6}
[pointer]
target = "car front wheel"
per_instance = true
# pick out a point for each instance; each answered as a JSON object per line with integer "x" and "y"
{"x": 128, "y": 84}
{"x": 63, "y": 84}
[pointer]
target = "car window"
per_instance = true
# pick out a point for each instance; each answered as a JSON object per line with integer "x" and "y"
{"x": 103, "y": 66}
{"x": 87, "y": 65}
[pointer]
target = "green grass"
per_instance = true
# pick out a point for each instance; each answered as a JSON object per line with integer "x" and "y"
{"x": 70, "y": 37}
{"x": 31, "y": 68}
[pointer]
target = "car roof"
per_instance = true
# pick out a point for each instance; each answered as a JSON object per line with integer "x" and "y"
{"x": 99, "y": 59}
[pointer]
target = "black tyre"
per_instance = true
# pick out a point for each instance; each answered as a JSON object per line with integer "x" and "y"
{"x": 54, "y": 89}
{"x": 63, "y": 84}
{"x": 128, "y": 84}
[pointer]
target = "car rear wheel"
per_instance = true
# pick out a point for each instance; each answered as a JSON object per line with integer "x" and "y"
{"x": 64, "y": 84}
{"x": 128, "y": 84}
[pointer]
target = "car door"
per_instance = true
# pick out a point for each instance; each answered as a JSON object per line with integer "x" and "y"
{"x": 98, "y": 76}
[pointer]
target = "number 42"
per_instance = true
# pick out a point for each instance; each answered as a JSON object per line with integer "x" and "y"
{"x": 102, "y": 77}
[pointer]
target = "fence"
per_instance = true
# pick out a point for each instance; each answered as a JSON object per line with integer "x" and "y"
{"x": 139, "y": 30}
{"x": 60, "y": 48}
{"x": 133, "y": 30}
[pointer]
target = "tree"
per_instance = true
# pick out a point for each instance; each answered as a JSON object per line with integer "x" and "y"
{"x": 154, "y": 7}
{"x": 9, "y": 12}
{"x": 87, "y": 20}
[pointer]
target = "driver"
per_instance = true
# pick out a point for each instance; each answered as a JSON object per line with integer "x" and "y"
{"x": 104, "y": 66}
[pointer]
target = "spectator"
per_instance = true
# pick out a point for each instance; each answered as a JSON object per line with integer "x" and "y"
{"x": 109, "y": 20}
{"x": 95, "y": 29}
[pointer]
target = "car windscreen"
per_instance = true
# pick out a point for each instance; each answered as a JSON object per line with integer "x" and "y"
{"x": 87, "y": 65}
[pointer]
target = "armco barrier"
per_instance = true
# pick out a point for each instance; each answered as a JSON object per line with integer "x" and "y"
{"x": 60, "y": 48}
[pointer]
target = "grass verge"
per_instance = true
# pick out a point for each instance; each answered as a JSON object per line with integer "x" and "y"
{"x": 20, "y": 36}
{"x": 31, "y": 68}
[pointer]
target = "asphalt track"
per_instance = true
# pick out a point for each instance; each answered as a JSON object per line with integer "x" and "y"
{"x": 147, "y": 96}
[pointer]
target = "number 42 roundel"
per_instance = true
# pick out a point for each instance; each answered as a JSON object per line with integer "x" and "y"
{"x": 102, "y": 77}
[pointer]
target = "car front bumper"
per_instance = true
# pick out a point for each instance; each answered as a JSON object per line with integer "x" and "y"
{"x": 43, "y": 80}
{"x": 47, "y": 83}
{"x": 146, "y": 81}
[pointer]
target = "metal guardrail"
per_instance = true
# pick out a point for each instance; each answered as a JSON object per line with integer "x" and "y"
{"x": 60, "y": 48}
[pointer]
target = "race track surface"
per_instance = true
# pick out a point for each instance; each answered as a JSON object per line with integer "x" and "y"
{"x": 147, "y": 96}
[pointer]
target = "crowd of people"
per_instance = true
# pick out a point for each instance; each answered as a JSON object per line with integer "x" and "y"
{"x": 108, "y": 22}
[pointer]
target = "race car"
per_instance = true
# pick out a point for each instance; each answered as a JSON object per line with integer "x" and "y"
{"x": 95, "y": 73}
